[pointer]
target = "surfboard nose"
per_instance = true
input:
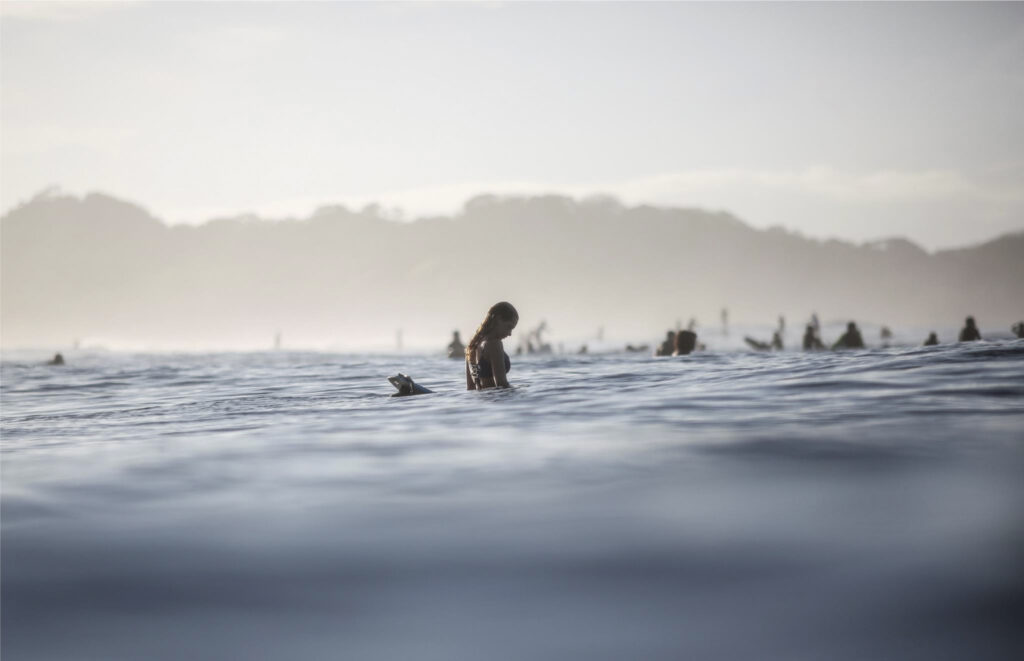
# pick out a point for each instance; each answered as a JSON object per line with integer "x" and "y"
{"x": 406, "y": 386}
{"x": 403, "y": 383}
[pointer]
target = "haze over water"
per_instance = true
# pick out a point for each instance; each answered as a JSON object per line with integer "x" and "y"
{"x": 856, "y": 121}
{"x": 722, "y": 505}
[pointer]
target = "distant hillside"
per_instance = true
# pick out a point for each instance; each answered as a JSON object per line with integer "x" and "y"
{"x": 105, "y": 270}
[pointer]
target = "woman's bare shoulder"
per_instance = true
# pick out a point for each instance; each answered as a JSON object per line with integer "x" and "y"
{"x": 487, "y": 347}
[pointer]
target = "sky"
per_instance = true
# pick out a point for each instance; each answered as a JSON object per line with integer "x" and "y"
{"x": 856, "y": 121}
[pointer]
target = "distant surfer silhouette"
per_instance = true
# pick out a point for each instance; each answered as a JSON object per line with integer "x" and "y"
{"x": 685, "y": 342}
{"x": 969, "y": 333}
{"x": 811, "y": 340}
{"x": 456, "y": 349}
{"x": 535, "y": 341}
{"x": 757, "y": 345}
{"x": 56, "y": 360}
{"x": 1018, "y": 329}
{"x": 774, "y": 345}
{"x": 487, "y": 364}
{"x": 667, "y": 346}
{"x": 851, "y": 339}
{"x": 932, "y": 340}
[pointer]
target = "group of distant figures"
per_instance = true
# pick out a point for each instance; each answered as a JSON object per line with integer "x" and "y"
{"x": 677, "y": 343}
{"x": 970, "y": 332}
{"x": 852, "y": 338}
{"x": 533, "y": 343}
{"x": 683, "y": 342}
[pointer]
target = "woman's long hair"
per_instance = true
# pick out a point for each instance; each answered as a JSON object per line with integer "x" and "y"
{"x": 503, "y": 311}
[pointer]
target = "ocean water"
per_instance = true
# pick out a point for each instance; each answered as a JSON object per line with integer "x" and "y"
{"x": 724, "y": 505}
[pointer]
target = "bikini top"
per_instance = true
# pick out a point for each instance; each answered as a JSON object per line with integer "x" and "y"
{"x": 483, "y": 370}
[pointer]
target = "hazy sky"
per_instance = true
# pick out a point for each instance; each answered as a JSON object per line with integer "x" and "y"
{"x": 858, "y": 121}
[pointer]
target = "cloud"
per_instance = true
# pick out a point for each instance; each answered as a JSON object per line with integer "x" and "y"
{"x": 880, "y": 186}
{"x": 699, "y": 187}
{"x": 713, "y": 188}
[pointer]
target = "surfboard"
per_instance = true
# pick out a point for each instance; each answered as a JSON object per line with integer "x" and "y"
{"x": 406, "y": 386}
{"x": 759, "y": 346}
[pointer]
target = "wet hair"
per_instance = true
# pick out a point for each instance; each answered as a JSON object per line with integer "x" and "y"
{"x": 503, "y": 311}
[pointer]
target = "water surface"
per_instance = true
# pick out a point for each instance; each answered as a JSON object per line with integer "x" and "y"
{"x": 717, "y": 506}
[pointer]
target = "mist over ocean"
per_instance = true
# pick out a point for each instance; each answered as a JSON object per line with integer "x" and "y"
{"x": 103, "y": 272}
{"x": 723, "y": 505}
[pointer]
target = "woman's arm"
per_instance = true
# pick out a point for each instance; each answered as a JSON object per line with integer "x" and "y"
{"x": 469, "y": 378}
{"x": 496, "y": 354}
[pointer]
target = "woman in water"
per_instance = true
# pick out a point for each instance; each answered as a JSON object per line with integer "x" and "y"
{"x": 487, "y": 364}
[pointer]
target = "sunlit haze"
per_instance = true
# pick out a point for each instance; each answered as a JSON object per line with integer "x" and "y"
{"x": 857, "y": 121}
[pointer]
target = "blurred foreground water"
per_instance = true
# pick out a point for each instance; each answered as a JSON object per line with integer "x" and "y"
{"x": 863, "y": 505}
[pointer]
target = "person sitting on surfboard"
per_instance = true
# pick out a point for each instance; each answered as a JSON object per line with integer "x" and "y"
{"x": 686, "y": 342}
{"x": 811, "y": 340}
{"x": 970, "y": 331}
{"x": 668, "y": 346}
{"x": 487, "y": 364}
{"x": 774, "y": 345}
{"x": 851, "y": 339}
{"x": 456, "y": 349}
